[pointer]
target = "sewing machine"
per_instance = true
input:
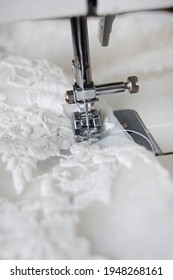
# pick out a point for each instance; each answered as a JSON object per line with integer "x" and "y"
{"x": 87, "y": 120}
{"x": 84, "y": 92}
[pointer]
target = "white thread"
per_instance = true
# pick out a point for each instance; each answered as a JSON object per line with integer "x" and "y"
{"x": 140, "y": 134}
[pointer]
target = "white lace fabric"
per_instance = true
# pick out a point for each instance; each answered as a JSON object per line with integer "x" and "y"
{"x": 36, "y": 129}
{"x": 64, "y": 200}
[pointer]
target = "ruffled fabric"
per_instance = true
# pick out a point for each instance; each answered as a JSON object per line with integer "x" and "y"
{"x": 64, "y": 200}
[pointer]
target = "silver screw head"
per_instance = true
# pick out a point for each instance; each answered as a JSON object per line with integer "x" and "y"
{"x": 69, "y": 97}
{"x": 131, "y": 84}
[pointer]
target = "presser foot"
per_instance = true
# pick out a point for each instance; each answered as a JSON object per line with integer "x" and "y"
{"x": 87, "y": 126}
{"x": 87, "y": 121}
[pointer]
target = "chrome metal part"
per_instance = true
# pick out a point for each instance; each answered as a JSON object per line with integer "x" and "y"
{"x": 131, "y": 84}
{"x": 133, "y": 124}
{"x": 81, "y": 63}
{"x": 87, "y": 120}
{"x": 82, "y": 130}
{"x": 89, "y": 94}
{"x": 87, "y": 123}
{"x": 69, "y": 97}
{"x": 111, "y": 88}
{"x": 105, "y": 28}
{"x": 84, "y": 95}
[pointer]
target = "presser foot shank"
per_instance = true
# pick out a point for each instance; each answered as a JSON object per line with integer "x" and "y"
{"x": 87, "y": 121}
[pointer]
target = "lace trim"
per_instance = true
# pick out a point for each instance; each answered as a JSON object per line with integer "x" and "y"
{"x": 44, "y": 219}
{"x": 40, "y": 127}
{"x": 33, "y": 131}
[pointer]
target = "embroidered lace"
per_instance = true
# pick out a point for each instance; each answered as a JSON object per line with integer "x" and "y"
{"x": 61, "y": 200}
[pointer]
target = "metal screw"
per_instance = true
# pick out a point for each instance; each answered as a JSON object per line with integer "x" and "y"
{"x": 69, "y": 97}
{"x": 131, "y": 84}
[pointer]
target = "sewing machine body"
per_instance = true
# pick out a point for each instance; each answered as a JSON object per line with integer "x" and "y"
{"x": 42, "y": 9}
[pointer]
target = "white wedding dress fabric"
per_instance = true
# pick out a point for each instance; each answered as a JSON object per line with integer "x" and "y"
{"x": 60, "y": 199}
